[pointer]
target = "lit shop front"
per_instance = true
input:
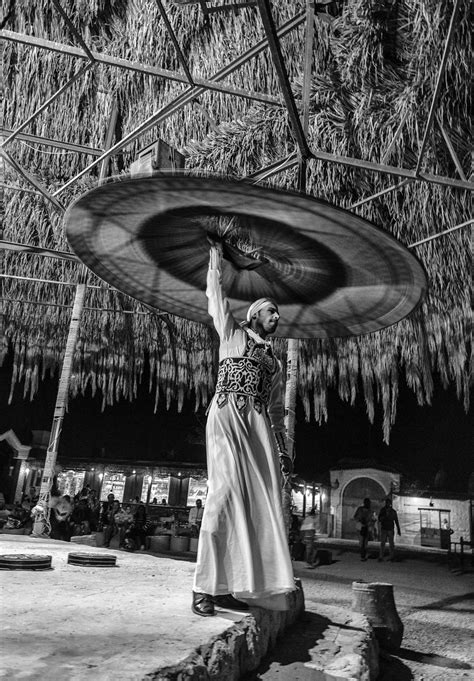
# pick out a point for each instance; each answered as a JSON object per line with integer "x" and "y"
{"x": 151, "y": 485}
{"x": 306, "y": 496}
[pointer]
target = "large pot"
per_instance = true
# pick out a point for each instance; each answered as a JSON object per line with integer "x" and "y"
{"x": 179, "y": 544}
{"x": 160, "y": 542}
{"x": 375, "y": 600}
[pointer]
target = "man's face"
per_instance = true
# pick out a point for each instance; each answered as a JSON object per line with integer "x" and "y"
{"x": 198, "y": 503}
{"x": 267, "y": 319}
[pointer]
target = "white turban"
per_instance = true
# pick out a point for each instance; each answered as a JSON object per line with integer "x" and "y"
{"x": 259, "y": 305}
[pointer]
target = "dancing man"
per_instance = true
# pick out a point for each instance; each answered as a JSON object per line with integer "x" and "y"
{"x": 243, "y": 549}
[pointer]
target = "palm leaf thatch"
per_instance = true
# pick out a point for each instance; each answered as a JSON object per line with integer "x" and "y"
{"x": 375, "y": 68}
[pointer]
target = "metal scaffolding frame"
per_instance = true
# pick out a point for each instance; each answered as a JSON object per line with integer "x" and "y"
{"x": 198, "y": 86}
{"x": 298, "y": 121}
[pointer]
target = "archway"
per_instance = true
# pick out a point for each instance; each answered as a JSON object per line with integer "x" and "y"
{"x": 353, "y": 496}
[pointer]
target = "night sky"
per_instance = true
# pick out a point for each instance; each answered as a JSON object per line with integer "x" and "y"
{"x": 423, "y": 439}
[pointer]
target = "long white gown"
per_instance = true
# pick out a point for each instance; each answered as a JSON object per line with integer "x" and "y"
{"x": 243, "y": 547}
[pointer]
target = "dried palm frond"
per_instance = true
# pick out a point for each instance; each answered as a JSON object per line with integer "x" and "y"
{"x": 375, "y": 68}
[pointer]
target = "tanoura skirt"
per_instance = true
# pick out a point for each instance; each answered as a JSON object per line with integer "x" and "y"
{"x": 243, "y": 548}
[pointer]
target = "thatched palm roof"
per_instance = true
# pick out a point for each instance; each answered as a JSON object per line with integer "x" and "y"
{"x": 380, "y": 72}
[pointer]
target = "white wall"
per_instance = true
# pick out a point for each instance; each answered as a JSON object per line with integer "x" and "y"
{"x": 409, "y": 517}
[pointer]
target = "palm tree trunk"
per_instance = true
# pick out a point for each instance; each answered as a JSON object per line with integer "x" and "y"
{"x": 41, "y": 524}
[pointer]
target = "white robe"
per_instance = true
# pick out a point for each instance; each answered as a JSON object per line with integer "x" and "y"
{"x": 243, "y": 548}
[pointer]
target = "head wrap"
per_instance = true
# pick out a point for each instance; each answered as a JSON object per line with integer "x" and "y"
{"x": 259, "y": 305}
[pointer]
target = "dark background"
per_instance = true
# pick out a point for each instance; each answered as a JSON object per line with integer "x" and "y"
{"x": 422, "y": 441}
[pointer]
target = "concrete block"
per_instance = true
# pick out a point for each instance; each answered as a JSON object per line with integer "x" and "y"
{"x": 348, "y": 650}
{"x": 240, "y": 649}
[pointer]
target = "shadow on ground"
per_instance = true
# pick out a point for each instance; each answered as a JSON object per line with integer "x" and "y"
{"x": 446, "y": 603}
{"x": 432, "y": 658}
{"x": 292, "y": 650}
{"x": 393, "y": 669}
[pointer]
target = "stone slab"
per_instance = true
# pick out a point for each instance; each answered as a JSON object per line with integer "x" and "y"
{"x": 129, "y": 622}
{"x": 346, "y": 650}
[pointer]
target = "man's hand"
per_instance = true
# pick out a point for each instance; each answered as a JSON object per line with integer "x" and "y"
{"x": 286, "y": 464}
{"x": 215, "y": 254}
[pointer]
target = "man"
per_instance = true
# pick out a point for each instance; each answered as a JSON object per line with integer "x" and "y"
{"x": 308, "y": 533}
{"x": 363, "y": 517}
{"x": 388, "y": 519}
{"x": 195, "y": 517}
{"x": 243, "y": 550}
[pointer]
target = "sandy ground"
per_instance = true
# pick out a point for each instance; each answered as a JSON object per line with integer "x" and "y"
{"x": 80, "y": 623}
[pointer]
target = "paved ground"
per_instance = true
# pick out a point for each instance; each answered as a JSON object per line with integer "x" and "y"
{"x": 435, "y": 604}
{"x": 40, "y": 613}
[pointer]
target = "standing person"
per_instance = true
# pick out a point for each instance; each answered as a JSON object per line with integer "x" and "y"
{"x": 243, "y": 550}
{"x": 388, "y": 519}
{"x": 308, "y": 535}
{"x": 363, "y": 516}
{"x": 110, "y": 525}
{"x": 138, "y": 528}
{"x": 195, "y": 517}
{"x": 94, "y": 505}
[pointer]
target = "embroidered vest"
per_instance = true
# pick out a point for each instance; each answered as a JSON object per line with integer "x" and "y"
{"x": 248, "y": 376}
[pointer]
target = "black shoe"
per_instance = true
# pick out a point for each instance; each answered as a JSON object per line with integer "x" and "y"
{"x": 228, "y": 602}
{"x": 202, "y": 604}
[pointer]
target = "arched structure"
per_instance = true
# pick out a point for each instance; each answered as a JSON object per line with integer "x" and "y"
{"x": 15, "y": 474}
{"x": 352, "y": 496}
{"x": 349, "y": 487}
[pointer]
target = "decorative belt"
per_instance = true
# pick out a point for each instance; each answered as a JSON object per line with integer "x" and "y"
{"x": 246, "y": 377}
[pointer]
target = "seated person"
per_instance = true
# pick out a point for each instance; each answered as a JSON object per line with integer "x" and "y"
{"x": 81, "y": 518}
{"x": 60, "y": 517}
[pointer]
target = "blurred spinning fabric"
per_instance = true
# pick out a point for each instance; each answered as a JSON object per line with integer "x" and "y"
{"x": 332, "y": 273}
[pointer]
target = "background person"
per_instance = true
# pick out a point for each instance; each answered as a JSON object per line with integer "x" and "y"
{"x": 388, "y": 519}
{"x": 363, "y": 517}
{"x": 308, "y": 535}
{"x": 195, "y": 517}
{"x": 139, "y": 527}
{"x": 110, "y": 526}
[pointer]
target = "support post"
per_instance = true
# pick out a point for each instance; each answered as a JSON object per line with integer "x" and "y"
{"x": 293, "y": 345}
{"x": 41, "y": 524}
